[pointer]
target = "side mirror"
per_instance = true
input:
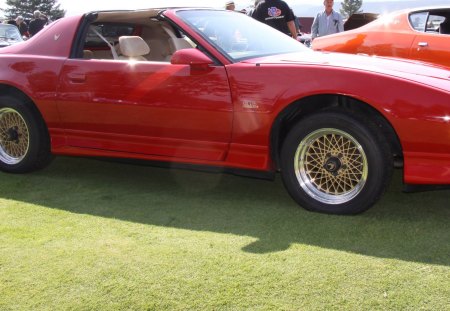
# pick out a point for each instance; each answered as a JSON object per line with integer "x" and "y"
{"x": 193, "y": 57}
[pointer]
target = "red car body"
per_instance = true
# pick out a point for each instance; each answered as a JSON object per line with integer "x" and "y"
{"x": 207, "y": 107}
{"x": 414, "y": 34}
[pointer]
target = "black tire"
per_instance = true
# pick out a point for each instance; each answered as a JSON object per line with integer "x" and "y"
{"x": 24, "y": 138}
{"x": 336, "y": 163}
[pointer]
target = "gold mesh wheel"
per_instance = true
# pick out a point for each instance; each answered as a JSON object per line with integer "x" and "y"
{"x": 14, "y": 136}
{"x": 331, "y": 166}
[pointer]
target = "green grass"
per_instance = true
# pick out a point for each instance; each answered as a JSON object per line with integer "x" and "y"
{"x": 90, "y": 235}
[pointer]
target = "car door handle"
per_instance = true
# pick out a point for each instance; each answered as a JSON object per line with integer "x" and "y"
{"x": 77, "y": 77}
{"x": 422, "y": 44}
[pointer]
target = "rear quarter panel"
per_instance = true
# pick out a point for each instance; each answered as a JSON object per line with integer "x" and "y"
{"x": 385, "y": 37}
{"x": 33, "y": 67}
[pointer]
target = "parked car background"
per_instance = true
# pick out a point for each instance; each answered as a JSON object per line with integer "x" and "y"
{"x": 9, "y": 35}
{"x": 421, "y": 34}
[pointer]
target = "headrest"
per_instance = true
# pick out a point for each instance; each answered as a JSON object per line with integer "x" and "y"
{"x": 132, "y": 46}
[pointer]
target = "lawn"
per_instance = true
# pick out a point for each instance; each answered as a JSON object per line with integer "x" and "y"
{"x": 91, "y": 235}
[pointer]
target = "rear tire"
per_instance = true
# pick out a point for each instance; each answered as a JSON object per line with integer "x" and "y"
{"x": 24, "y": 139}
{"x": 336, "y": 163}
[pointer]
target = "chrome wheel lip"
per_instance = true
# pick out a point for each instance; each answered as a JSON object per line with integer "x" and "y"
{"x": 21, "y": 125}
{"x": 309, "y": 185}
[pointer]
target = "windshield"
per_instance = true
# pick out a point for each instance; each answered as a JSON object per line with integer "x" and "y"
{"x": 9, "y": 33}
{"x": 238, "y": 35}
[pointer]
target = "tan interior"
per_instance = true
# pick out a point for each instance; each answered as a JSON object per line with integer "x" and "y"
{"x": 159, "y": 35}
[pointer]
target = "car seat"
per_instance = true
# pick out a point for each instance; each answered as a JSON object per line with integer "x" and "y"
{"x": 88, "y": 54}
{"x": 177, "y": 44}
{"x": 133, "y": 48}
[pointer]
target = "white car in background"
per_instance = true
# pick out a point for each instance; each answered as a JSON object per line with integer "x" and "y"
{"x": 9, "y": 35}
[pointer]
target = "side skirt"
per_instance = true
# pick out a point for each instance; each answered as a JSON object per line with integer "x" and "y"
{"x": 267, "y": 175}
{"x": 421, "y": 188}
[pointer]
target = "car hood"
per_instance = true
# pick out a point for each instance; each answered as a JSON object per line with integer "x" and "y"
{"x": 425, "y": 73}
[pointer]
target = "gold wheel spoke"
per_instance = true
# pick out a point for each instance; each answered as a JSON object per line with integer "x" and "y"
{"x": 331, "y": 164}
{"x": 14, "y": 136}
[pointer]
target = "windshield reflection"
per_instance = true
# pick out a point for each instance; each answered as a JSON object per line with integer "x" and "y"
{"x": 238, "y": 35}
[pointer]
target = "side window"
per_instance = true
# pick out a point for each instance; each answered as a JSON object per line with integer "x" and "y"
{"x": 164, "y": 40}
{"x": 434, "y": 21}
{"x": 110, "y": 32}
{"x": 418, "y": 21}
{"x": 101, "y": 37}
{"x": 102, "y": 41}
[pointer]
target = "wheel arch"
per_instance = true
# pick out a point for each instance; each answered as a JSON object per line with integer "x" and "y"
{"x": 304, "y": 107}
{"x": 9, "y": 90}
{"x": 6, "y": 89}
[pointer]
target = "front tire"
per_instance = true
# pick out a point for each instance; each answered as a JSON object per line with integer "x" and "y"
{"x": 334, "y": 163}
{"x": 24, "y": 139}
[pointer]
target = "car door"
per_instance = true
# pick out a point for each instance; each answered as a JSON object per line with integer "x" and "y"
{"x": 153, "y": 108}
{"x": 429, "y": 45}
{"x": 433, "y": 48}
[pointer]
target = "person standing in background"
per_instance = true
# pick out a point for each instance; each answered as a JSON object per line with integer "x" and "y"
{"x": 229, "y": 5}
{"x": 23, "y": 27}
{"x": 252, "y": 10}
{"x": 327, "y": 22}
{"x": 296, "y": 23}
{"x": 277, "y": 14}
{"x": 37, "y": 23}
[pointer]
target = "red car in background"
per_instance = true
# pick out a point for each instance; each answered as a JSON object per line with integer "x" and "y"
{"x": 421, "y": 34}
{"x": 216, "y": 88}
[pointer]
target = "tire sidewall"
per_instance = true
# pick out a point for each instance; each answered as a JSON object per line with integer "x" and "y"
{"x": 375, "y": 148}
{"x": 34, "y": 130}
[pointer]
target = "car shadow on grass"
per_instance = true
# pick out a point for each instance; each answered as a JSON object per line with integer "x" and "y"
{"x": 411, "y": 227}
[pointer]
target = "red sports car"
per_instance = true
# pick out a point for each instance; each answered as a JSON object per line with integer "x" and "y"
{"x": 219, "y": 89}
{"x": 421, "y": 34}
